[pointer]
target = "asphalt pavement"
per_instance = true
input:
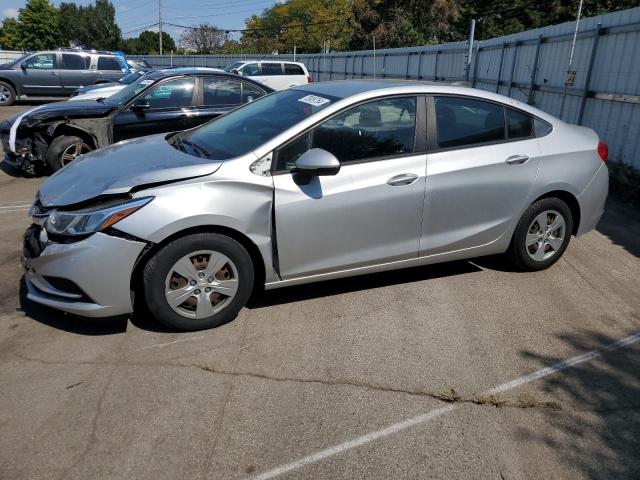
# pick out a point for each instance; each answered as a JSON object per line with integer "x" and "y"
{"x": 460, "y": 370}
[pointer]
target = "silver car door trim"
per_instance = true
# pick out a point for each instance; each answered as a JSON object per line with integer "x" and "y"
{"x": 517, "y": 159}
{"x": 402, "y": 179}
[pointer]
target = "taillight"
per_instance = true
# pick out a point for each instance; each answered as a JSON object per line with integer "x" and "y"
{"x": 603, "y": 150}
{"x": 309, "y": 80}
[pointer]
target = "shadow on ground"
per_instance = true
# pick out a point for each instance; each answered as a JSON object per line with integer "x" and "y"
{"x": 621, "y": 224}
{"x": 597, "y": 432}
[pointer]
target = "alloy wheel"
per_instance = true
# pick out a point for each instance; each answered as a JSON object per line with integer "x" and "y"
{"x": 5, "y": 94}
{"x": 201, "y": 284}
{"x": 72, "y": 151}
{"x": 545, "y": 235}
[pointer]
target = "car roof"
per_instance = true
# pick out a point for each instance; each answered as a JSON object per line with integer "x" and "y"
{"x": 269, "y": 60}
{"x": 168, "y": 72}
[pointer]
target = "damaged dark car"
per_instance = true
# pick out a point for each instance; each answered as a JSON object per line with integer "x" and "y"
{"x": 48, "y": 137}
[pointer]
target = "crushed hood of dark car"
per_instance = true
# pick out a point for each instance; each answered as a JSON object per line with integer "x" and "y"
{"x": 60, "y": 110}
{"x": 120, "y": 168}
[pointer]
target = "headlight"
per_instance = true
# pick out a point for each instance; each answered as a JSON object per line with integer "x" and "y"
{"x": 93, "y": 219}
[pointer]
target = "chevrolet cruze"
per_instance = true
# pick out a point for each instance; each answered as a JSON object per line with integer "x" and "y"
{"x": 312, "y": 183}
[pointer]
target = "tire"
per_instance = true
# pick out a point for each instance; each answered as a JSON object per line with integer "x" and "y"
{"x": 7, "y": 94}
{"x": 195, "y": 307}
{"x": 64, "y": 149}
{"x": 532, "y": 248}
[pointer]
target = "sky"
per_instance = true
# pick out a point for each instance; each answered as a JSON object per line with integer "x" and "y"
{"x": 135, "y": 14}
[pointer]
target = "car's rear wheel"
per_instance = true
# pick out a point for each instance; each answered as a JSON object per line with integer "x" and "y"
{"x": 7, "y": 94}
{"x": 198, "y": 281}
{"x": 64, "y": 150}
{"x": 542, "y": 235}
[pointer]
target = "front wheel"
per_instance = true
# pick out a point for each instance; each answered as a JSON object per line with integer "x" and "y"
{"x": 7, "y": 94}
{"x": 542, "y": 235}
{"x": 64, "y": 150}
{"x": 198, "y": 281}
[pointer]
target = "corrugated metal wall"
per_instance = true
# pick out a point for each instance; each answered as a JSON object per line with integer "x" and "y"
{"x": 530, "y": 66}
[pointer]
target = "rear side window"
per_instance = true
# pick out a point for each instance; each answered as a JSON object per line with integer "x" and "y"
{"x": 519, "y": 124}
{"x": 271, "y": 69}
{"x": 250, "y": 92}
{"x": 221, "y": 91}
{"x": 465, "y": 121}
{"x": 71, "y": 61}
{"x": 108, "y": 63}
{"x": 291, "y": 69}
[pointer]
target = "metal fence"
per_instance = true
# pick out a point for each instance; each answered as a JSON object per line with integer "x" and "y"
{"x": 8, "y": 55}
{"x": 529, "y": 66}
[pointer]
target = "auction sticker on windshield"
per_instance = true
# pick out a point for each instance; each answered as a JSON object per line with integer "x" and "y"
{"x": 146, "y": 82}
{"x": 314, "y": 100}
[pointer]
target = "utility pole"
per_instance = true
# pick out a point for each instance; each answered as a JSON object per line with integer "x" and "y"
{"x": 160, "y": 25}
{"x": 472, "y": 32}
{"x": 571, "y": 75}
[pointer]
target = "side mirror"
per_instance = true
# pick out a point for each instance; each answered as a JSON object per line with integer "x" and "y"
{"x": 140, "y": 106}
{"x": 317, "y": 162}
{"x": 235, "y": 70}
{"x": 23, "y": 65}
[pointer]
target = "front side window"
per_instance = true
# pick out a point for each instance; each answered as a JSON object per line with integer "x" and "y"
{"x": 250, "y": 70}
{"x": 72, "y": 61}
{"x": 465, "y": 121}
{"x": 221, "y": 91}
{"x": 519, "y": 124}
{"x": 42, "y": 61}
{"x": 171, "y": 94}
{"x": 271, "y": 69}
{"x": 108, "y": 63}
{"x": 373, "y": 130}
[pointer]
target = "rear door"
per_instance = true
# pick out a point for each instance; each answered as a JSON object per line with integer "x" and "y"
{"x": 294, "y": 75}
{"x": 76, "y": 71}
{"x": 109, "y": 69}
{"x": 482, "y": 163}
{"x": 370, "y": 211}
{"x": 41, "y": 75}
{"x": 171, "y": 106}
{"x": 272, "y": 75}
{"x": 222, "y": 94}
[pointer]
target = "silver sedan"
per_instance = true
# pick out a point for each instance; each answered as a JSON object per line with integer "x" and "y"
{"x": 312, "y": 183}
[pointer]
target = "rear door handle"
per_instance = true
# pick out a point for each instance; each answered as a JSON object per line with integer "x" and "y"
{"x": 402, "y": 179}
{"x": 517, "y": 159}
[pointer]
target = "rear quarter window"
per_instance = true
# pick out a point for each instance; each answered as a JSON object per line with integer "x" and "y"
{"x": 291, "y": 69}
{"x": 108, "y": 63}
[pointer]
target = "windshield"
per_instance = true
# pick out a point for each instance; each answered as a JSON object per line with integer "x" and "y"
{"x": 132, "y": 77}
{"x": 127, "y": 93}
{"x": 16, "y": 60}
{"x": 228, "y": 68}
{"x": 246, "y": 128}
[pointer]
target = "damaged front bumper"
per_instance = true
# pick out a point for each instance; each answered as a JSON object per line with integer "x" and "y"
{"x": 23, "y": 157}
{"x": 75, "y": 277}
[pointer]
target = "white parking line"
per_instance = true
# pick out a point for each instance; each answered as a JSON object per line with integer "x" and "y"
{"x": 161, "y": 345}
{"x": 14, "y": 210}
{"x": 16, "y": 206}
{"x": 426, "y": 417}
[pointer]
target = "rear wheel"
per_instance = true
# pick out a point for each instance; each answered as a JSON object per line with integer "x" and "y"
{"x": 542, "y": 235}
{"x": 7, "y": 94}
{"x": 198, "y": 281}
{"x": 64, "y": 150}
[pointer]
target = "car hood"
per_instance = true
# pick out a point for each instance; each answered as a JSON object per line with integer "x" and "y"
{"x": 62, "y": 110}
{"x": 97, "y": 86}
{"x": 121, "y": 168}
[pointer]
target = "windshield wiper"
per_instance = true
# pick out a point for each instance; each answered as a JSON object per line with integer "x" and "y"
{"x": 100, "y": 99}
{"x": 195, "y": 146}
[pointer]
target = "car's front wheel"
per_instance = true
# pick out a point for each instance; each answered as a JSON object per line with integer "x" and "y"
{"x": 542, "y": 235}
{"x": 65, "y": 149}
{"x": 198, "y": 281}
{"x": 7, "y": 94}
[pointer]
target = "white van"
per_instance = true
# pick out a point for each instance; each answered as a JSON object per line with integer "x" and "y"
{"x": 277, "y": 75}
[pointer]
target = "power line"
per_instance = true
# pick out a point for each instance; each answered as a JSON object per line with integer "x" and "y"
{"x": 280, "y": 27}
{"x": 140, "y": 29}
{"x": 219, "y": 5}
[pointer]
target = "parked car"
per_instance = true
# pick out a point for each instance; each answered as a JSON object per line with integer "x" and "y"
{"x": 277, "y": 75}
{"x": 103, "y": 90}
{"x": 312, "y": 183}
{"x": 54, "y": 134}
{"x": 58, "y": 73}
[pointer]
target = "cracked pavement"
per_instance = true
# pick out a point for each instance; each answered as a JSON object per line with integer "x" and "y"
{"x": 305, "y": 368}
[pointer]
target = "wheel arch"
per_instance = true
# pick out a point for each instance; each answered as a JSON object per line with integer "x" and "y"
{"x": 570, "y": 200}
{"x": 249, "y": 245}
{"x": 13, "y": 85}
{"x": 73, "y": 130}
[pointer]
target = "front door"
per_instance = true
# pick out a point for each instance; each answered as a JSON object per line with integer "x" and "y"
{"x": 41, "y": 75}
{"x": 370, "y": 212}
{"x": 170, "y": 107}
{"x": 479, "y": 173}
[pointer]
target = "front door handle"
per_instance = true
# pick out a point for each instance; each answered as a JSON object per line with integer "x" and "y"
{"x": 402, "y": 179}
{"x": 517, "y": 159}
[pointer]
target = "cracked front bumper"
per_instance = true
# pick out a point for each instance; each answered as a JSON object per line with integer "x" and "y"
{"x": 91, "y": 277}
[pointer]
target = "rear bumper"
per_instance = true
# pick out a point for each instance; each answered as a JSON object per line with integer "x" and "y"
{"x": 592, "y": 200}
{"x": 91, "y": 277}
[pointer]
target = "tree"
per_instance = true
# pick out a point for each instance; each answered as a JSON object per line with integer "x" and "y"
{"x": 38, "y": 25}
{"x": 204, "y": 38}
{"x": 147, "y": 44}
{"x": 91, "y": 26}
{"x": 9, "y": 34}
